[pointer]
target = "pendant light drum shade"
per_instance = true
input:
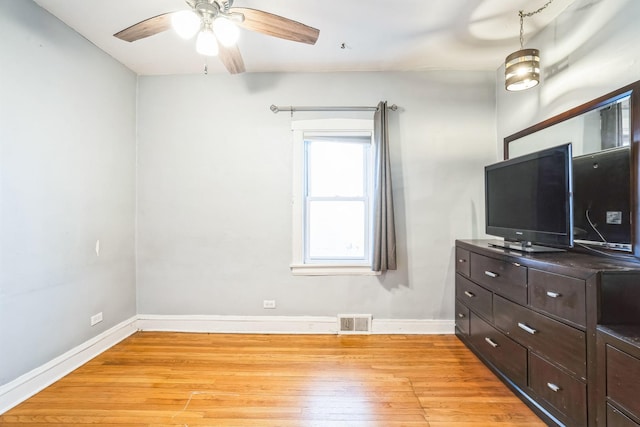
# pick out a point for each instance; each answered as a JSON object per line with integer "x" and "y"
{"x": 522, "y": 69}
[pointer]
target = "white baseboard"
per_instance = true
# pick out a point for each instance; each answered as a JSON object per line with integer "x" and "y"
{"x": 25, "y": 386}
{"x": 285, "y": 324}
{"x": 413, "y": 326}
{"x": 239, "y": 324}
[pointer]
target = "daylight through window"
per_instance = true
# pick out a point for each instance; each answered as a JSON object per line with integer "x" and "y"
{"x": 332, "y": 196}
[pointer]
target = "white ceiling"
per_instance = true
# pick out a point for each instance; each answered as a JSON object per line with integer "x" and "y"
{"x": 379, "y": 35}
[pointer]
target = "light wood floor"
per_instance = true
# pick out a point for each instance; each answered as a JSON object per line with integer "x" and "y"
{"x": 168, "y": 379}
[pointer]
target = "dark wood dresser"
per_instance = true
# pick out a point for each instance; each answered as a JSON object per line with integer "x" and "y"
{"x": 619, "y": 375}
{"x": 532, "y": 319}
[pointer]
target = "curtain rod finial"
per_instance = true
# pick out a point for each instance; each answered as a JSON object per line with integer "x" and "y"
{"x": 274, "y": 109}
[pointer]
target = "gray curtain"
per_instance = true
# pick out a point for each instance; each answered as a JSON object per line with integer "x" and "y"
{"x": 384, "y": 232}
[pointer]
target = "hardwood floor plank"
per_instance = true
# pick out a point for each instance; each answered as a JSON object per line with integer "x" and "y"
{"x": 180, "y": 379}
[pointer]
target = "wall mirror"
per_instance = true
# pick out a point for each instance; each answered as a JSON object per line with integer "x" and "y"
{"x": 604, "y": 134}
{"x": 602, "y": 128}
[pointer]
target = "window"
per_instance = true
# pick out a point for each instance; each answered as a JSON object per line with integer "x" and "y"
{"x": 332, "y": 203}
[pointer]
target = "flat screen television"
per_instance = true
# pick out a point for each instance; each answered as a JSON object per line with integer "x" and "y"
{"x": 602, "y": 199}
{"x": 528, "y": 201}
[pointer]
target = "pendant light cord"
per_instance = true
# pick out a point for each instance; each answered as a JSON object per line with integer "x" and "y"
{"x": 528, "y": 15}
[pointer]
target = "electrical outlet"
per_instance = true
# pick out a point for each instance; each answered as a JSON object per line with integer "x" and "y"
{"x": 269, "y": 303}
{"x": 96, "y": 318}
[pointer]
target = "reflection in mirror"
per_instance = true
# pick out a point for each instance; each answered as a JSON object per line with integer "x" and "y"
{"x": 601, "y": 199}
{"x": 604, "y": 190}
{"x": 596, "y": 130}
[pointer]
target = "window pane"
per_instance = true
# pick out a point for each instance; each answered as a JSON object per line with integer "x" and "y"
{"x": 335, "y": 169}
{"x": 336, "y": 229}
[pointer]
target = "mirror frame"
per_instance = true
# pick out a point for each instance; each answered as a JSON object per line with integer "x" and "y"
{"x": 633, "y": 90}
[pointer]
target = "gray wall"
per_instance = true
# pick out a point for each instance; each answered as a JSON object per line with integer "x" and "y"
{"x": 67, "y": 164}
{"x": 588, "y": 51}
{"x": 214, "y": 191}
{"x": 214, "y": 178}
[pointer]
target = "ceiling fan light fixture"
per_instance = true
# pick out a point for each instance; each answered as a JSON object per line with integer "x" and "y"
{"x": 207, "y": 44}
{"x": 200, "y": 18}
{"x": 186, "y": 23}
{"x": 226, "y": 31}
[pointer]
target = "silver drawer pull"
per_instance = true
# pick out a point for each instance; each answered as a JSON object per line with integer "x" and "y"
{"x": 490, "y": 273}
{"x": 462, "y": 260}
{"x": 552, "y": 294}
{"x": 553, "y": 387}
{"x": 527, "y": 328}
{"x": 469, "y": 294}
{"x": 460, "y": 315}
{"x": 491, "y": 342}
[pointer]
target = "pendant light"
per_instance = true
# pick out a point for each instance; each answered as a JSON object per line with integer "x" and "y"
{"x": 522, "y": 68}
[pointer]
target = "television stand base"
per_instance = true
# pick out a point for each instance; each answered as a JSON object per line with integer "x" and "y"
{"x": 523, "y": 246}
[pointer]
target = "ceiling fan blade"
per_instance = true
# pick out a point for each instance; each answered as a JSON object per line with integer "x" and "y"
{"x": 276, "y": 26}
{"x": 146, "y": 28}
{"x": 231, "y": 59}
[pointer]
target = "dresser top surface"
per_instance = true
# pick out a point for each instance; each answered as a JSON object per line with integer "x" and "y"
{"x": 571, "y": 261}
{"x": 627, "y": 333}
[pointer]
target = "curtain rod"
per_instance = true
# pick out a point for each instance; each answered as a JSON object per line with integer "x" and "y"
{"x": 277, "y": 109}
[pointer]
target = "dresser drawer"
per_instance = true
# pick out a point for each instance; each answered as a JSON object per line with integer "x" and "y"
{"x": 505, "y": 354}
{"x": 616, "y": 418}
{"x": 623, "y": 380}
{"x": 558, "y": 389}
{"x": 462, "y": 318}
{"x": 462, "y": 261}
{"x": 504, "y": 278}
{"x": 475, "y": 297}
{"x": 560, "y": 296}
{"x": 559, "y": 342}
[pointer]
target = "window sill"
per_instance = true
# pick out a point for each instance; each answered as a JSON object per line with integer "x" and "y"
{"x": 332, "y": 270}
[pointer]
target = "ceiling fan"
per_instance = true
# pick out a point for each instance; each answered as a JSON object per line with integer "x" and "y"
{"x": 217, "y": 24}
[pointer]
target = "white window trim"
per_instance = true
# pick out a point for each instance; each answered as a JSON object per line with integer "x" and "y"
{"x": 298, "y": 266}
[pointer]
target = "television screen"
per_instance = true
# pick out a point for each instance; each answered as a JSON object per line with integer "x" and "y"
{"x": 602, "y": 199}
{"x": 528, "y": 199}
